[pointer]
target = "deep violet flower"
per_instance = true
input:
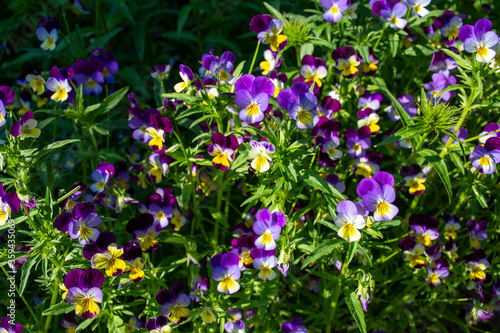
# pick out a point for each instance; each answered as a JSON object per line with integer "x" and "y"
{"x": 300, "y": 104}
{"x": 84, "y": 291}
{"x": 222, "y": 149}
{"x": 226, "y": 271}
{"x": 252, "y": 96}
{"x": 479, "y": 39}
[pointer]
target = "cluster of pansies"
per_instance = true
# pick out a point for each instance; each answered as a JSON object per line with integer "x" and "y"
{"x": 267, "y": 136}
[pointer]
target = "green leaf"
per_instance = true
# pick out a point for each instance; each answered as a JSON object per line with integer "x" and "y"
{"x": 101, "y": 42}
{"x": 112, "y": 100}
{"x": 321, "y": 42}
{"x": 26, "y": 270}
{"x": 364, "y": 51}
{"x": 366, "y": 255}
{"x": 123, "y": 9}
{"x": 84, "y": 324}
{"x": 306, "y": 49}
{"x": 353, "y": 246}
{"x": 455, "y": 137}
{"x": 59, "y": 144}
{"x": 394, "y": 43}
{"x": 183, "y": 97}
{"x": 406, "y": 132}
{"x": 183, "y": 16}
{"x": 354, "y": 305}
{"x": 59, "y": 308}
{"x": 239, "y": 69}
{"x": 274, "y": 12}
{"x": 322, "y": 250}
{"x": 458, "y": 59}
{"x": 440, "y": 167}
{"x": 330, "y": 193}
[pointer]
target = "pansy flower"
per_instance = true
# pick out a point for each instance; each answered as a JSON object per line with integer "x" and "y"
{"x": 414, "y": 178}
{"x": 178, "y": 219}
{"x": 68, "y": 203}
{"x": 243, "y": 246}
{"x": 415, "y": 256}
{"x": 293, "y": 326}
{"x": 159, "y": 166}
{"x": 110, "y": 66}
{"x": 198, "y": 289}
{"x": 369, "y": 118}
{"x": 26, "y": 127}
{"x": 452, "y": 248}
{"x": 140, "y": 122}
{"x": 443, "y": 63}
{"x": 450, "y": 25}
{"x": 300, "y": 104}
{"x": 264, "y": 261}
{"x": 158, "y": 325}
{"x": 268, "y": 228}
{"x": 104, "y": 253}
{"x": 451, "y": 227}
{"x": 222, "y": 149}
{"x": 161, "y": 211}
{"x": 370, "y": 67}
{"x": 439, "y": 83}
{"x": 159, "y": 126}
{"x": 261, "y": 155}
{"x": 77, "y": 8}
{"x": 313, "y": 69}
{"x": 418, "y": 7}
{"x": 357, "y": 141}
{"x": 134, "y": 264}
{"x": 350, "y": 220}
{"x": 47, "y": 32}
{"x": 479, "y": 39}
{"x": 272, "y": 35}
{"x": 279, "y": 80}
{"x": 477, "y": 313}
{"x": 369, "y": 165}
{"x": 89, "y": 75}
{"x": 328, "y": 107}
{"x": 69, "y": 323}
{"x": 237, "y": 326}
{"x": 270, "y": 63}
{"x": 333, "y": 180}
{"x": 350, "y": 12}
{"x": 424, "y": 235}
{"x": 85, "y": 291}
{"x": 485, "y": 157}
{"x": 334, "y": 9}
{"x": 407, "y": 103}
{"x": 36, "y": 83}
{"x": 144, "y": 231}
{"x": 329, "y": 142}
{"x": 161, "y": 72}
{"x": 174, "y": 303}
{"x": 58, "y": 83}
{"x": 377, "y": 195}
{"x": 437, "y": 273}
{"x": 476, "y": 265}
{"x": 491, "y": 130}
{"x": 222, "y": 67}
{"x": 370, "y": 101}
{"x": 103, "y": 173}
{"x": 187, "y": 76}
{"x": 226, "y": 271}
{"x": 346, "y": 61}
{"x": 252, "y": 96}
{"x": 392, "y": 12}
{"x": 5, "y": 326}
{"x": 477, "y": 233}
{"x": 7, "y": 95}
{"x": 208, "y": 315}
{"x": 80, "y": 223}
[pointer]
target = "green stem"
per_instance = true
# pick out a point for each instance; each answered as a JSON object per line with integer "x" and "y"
{"x": 68, "y": 32}
{"x": 220, "y": 193}
{"x": 380, "y": 37}
{"x": 182, "y": 145}
{"x": 53, "y": 300}
{"x": 254, "y": 57}
{"x": 24, "y": 299}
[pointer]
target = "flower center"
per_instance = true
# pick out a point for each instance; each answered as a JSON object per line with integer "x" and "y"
{"x": 417, "y": 8}
{"x": 394, "y": 20}
{"x": 266, "y": 237}
{"x": 484, "y": 160}
{"x": 304, "y": 117}
{"x": 335, "y": 9}
{"x": 91, "y": 83}
{"x": 253, "y": 109}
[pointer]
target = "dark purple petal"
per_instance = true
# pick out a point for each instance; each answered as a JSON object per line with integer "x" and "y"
{"x": 62, "y": 221}
{"x": 260, "y": 23}
{"x": 91, "y": 278}
{"x": 229, "y": 259}
{"x": 72, "y": 279}
{"x": 83, "y": 209}
{"x": 7, "y": 95}
{"x": 216, "y": 260}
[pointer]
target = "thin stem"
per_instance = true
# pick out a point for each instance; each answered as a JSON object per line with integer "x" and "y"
{"x": 24, "y": 299}
{"x": 68, "y": 32}
{"x": 254, "y": 57}
{"x": 380, "y": 37}
{"x": 220, "y": 193}
{"x": 52, "y": 302}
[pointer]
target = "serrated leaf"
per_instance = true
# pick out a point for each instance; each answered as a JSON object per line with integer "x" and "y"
{"x": 354, "y": 305}
{"x": 440, "y": 167}
{"x": 59, "y": 308}
{"x": 322, "y": 250}
{"x": 26, "y": 270}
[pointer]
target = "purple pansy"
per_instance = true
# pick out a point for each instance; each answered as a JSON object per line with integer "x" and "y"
{"x": 69, "y": 202}
{"x": 5, "y": 326}
{"x": 443, "y": 63}
{"x": 80, "y": 223}
{"x": 47, "y": 32}
{"x": 252, "y": 96}
{"x": 237, "y": 326}
{"x": 485, "y": 157}
{"x": 222, "y": 67}
{"x": 9, "y": 203}
{"x": 89, "y": 74}
{"x": 350, "y": 219}
{"x": 346, "y": 61}
{"x": 370, "y": 100}
{"x": 187, "y": 77}
{"x": 334, "y": 9}
{"x": 479, "y": 39}
{"x": 144, "y": 232}
{"x": 222, "y": 149}
{"x": 110, "y": 66}
{"x": 264, "y": 261}
{"x": 84, "y": 291}
{"x": 7, "y": 95}
{"x": 377, "y": 194}
{"x": 357, "y": 141}
{"x": 437, "y": 273}
{"x": 268, "y": 228}
{"x": 440, "y": 82}
{"x": 300, "y": 104}
{"x": 226, "y": 271}
{"x": 313, "y": 69}
{"x": 174, "y": 303}
{"x": 273, "y": 36}
{"x": 293, "y": 326}
{"x": 477, "y": 233}
{"x": 26, "y": 127}
{"x": 392, "y": 11}
{"x": 158, "y": 324}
